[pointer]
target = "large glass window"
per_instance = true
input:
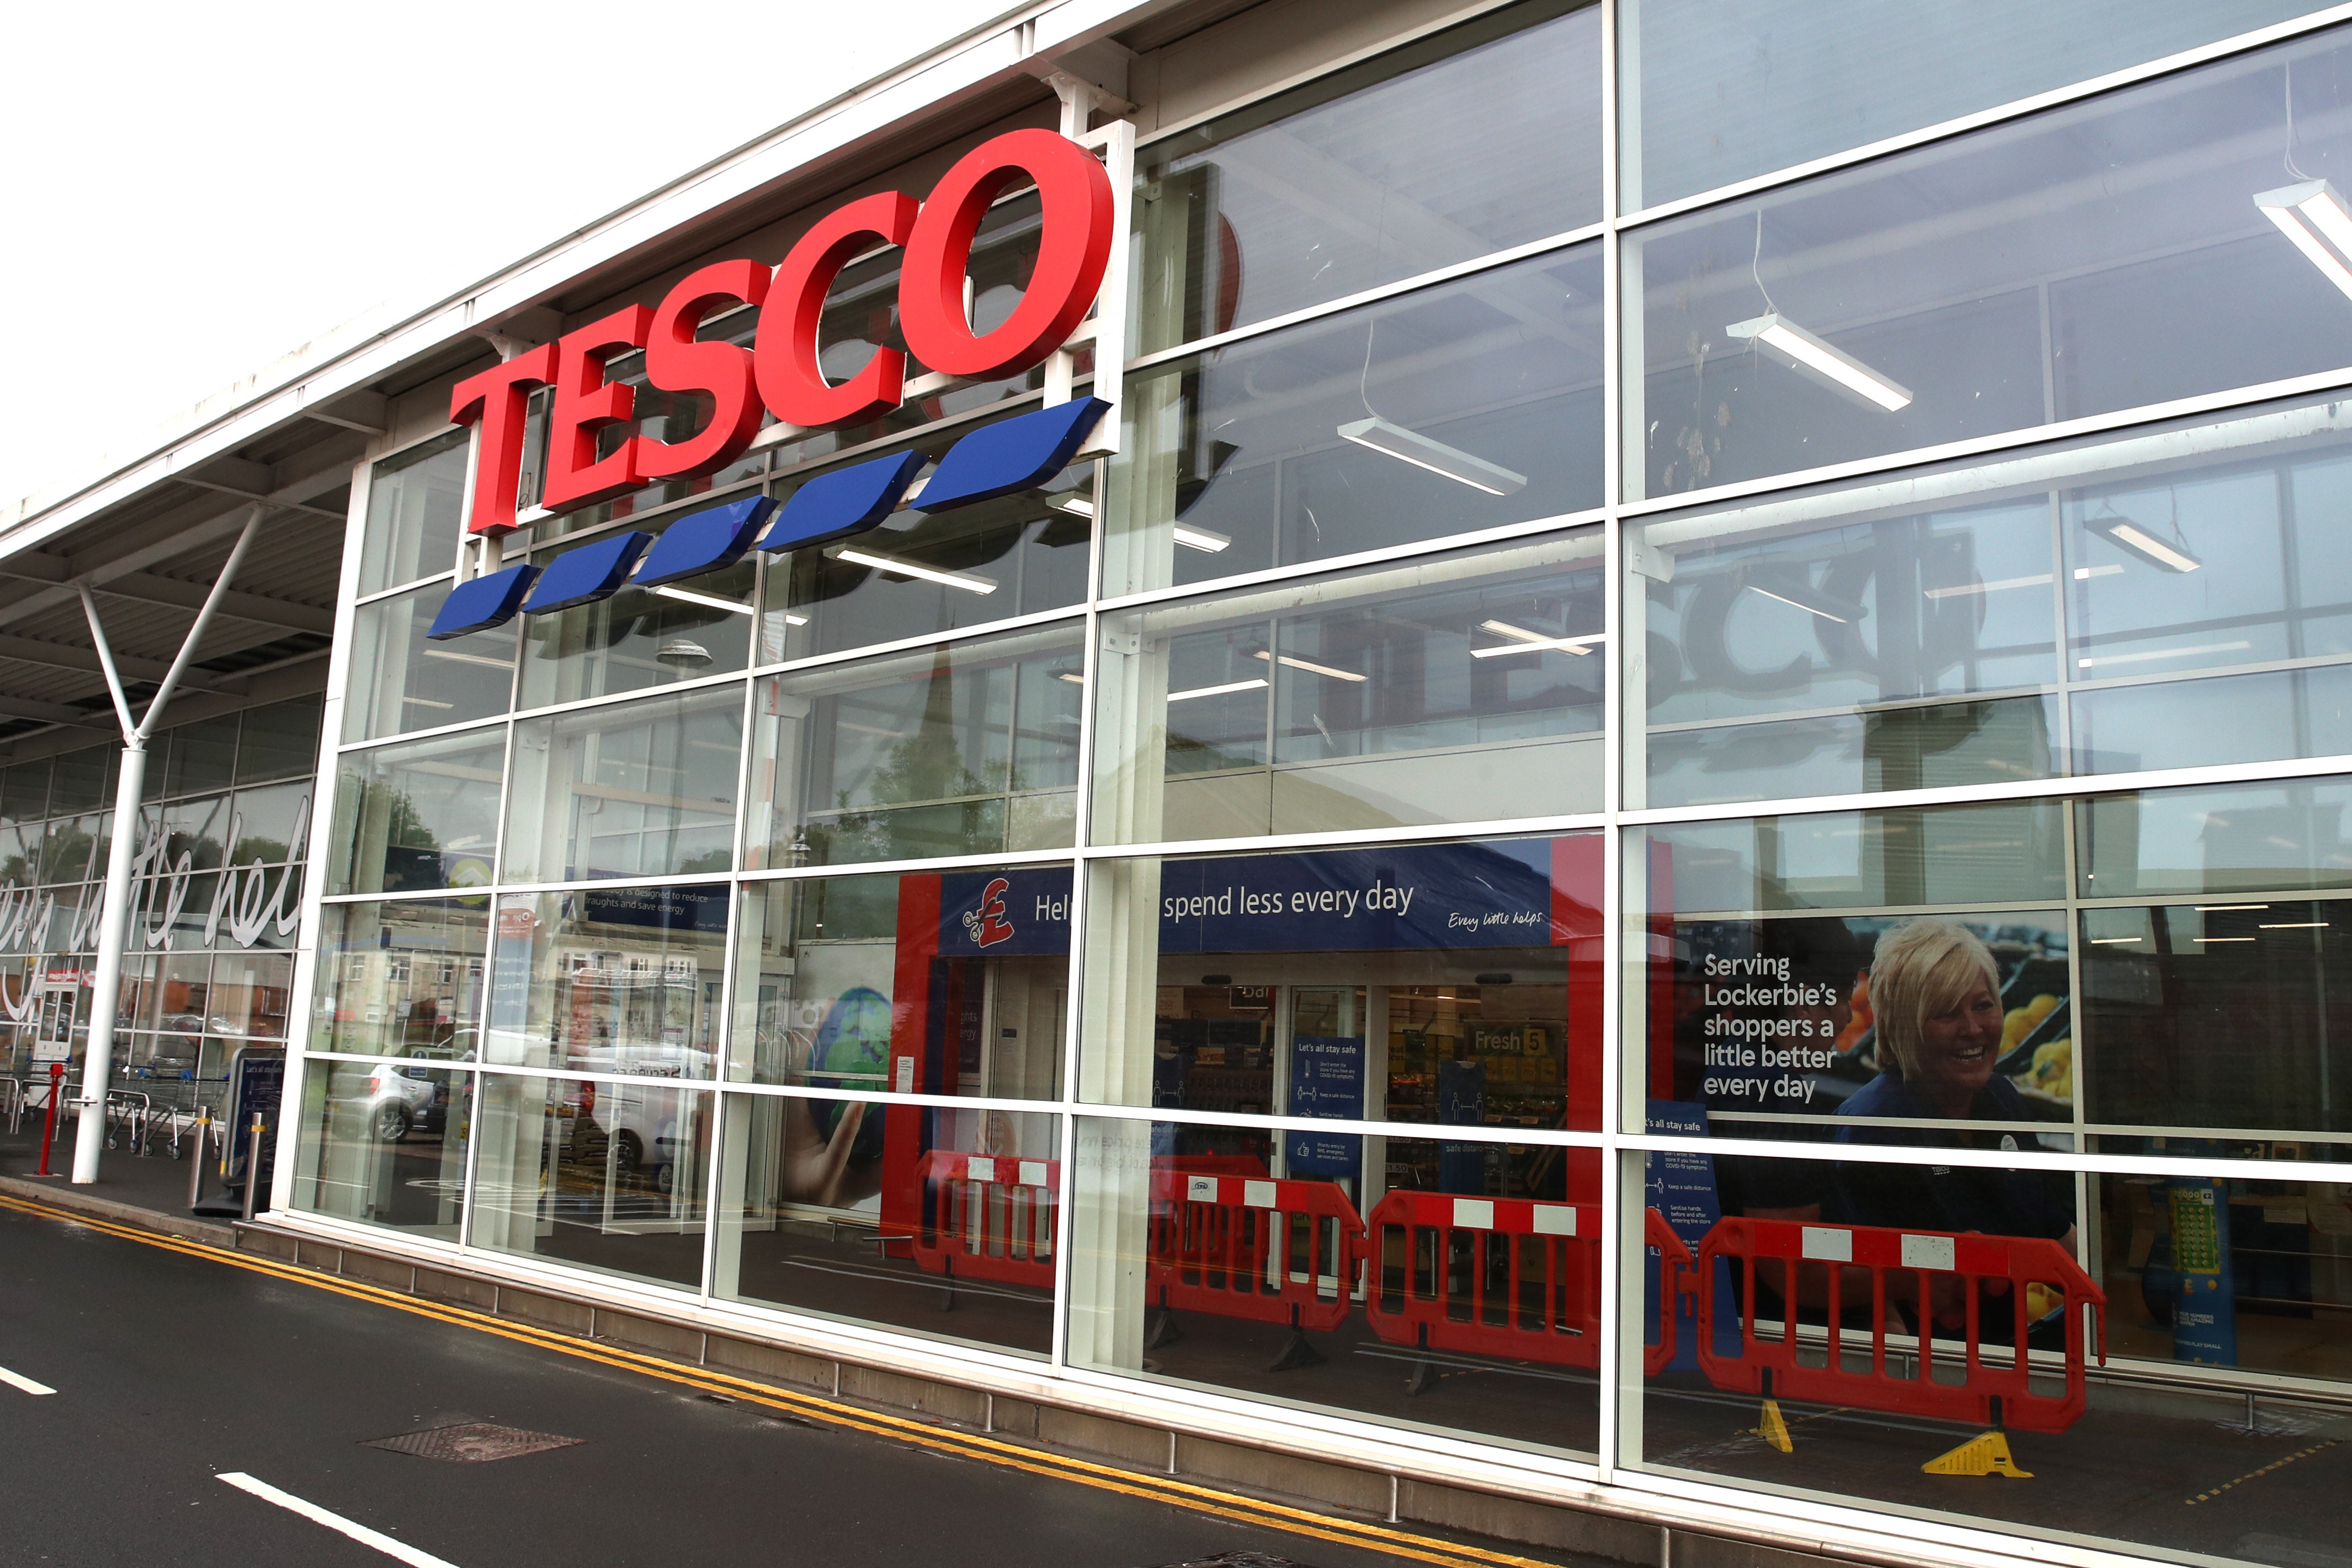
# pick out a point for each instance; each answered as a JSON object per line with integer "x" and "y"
{"x": 402, "y": 979}
{"x": 415, "y": 502}
{"x": 925, "y": 982}
{"x": 214, "y": 905}
{"x": 1434, "y": 982}
{"x": 1991, "y": 283}
{"x": 603, "y": 1173}
{"x": 1463, "y": 688}
{"x": 2172, "y": 598}
{"x": 1241, "y": 1268}
{"x": 635, "y": 789}
{"x": 614, "y": 980}
{"x": 400, "y": 680}
{"x": 963, "y": 749}
{"x": 1929, "y": 976}
{"x": 1715, "y": 92}
{"x": 384, "y": 1143}
{"x": 1479, "y": 139}
{"x": 2143, "y": 1347}
{"x": 893, "y": 1215}
{"x": 639, "y": 638}
{"x": 418, "y": 815}
{"x": 916, "y": 574}
{"x": 1464, "y": 405}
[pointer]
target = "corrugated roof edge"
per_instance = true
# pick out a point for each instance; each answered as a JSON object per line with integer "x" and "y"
{"x": 334, "y": 364}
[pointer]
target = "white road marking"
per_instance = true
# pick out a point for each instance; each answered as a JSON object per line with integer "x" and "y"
{"x": 17, "y": 1380}
{"x": 335, "y": 1521}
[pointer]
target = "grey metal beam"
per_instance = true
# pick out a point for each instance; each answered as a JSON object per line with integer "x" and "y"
{"x": 368, "y": 413}
{"x": 60, "y": 656}
{"x": 52, "y": 713}
{"x": 146, "y": 588}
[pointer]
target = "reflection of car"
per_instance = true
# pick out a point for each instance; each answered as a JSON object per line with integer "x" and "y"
{"x": 222, "y": 1024}
{"x": 460, "y": 1046}
{"x": 636, "y": 1129}
{"x": 402, "y": 1099}
{"x": 183, "y": 1023}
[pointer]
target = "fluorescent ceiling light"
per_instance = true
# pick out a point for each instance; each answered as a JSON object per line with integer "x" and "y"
{"x": 427, "y": 702}
{"x": 467, "y": 657}
{"x": 1071, "y": 676}
{"x": 1075, "y": 504}
{"x": 2112, "y": 941}
{"x": 1813, "y": 601}
{"x": 1254, "y": 683}
{"x": 2220, "y": 938}
{"x": 2314, "y": 216}
{"x": 1524, "y": 641}
{"x": 2293, "y": 925}
{"x": 1314, "y": 668}
{"x": 2162, "y": 653}
{"x": 1792, "y": 345}
{"x": 706, "y": 601}
{"x": 964, "y": 580}
{"x": 2208, "y": 909}
{"x": 2129, "y": 535}
{"x": 1412, "y": 446}
{"x": 1200, "y": 538}
{"x": 793, "y": 620}
{"x": 2084, "y": 574}
{"x": 1997, "y": 585}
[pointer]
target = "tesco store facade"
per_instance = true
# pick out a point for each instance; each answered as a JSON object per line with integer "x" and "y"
{"x": 1598, "y": 749}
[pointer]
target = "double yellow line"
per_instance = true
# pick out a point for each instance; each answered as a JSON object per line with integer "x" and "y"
{"x": 834, "y": 1413}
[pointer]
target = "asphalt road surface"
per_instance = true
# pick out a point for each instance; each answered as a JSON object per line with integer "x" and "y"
{"x": 171, "y": 1371}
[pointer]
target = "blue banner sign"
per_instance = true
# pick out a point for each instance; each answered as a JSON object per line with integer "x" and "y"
{"x": 1005, "y": 914}
{"x": 1357, "y": 900}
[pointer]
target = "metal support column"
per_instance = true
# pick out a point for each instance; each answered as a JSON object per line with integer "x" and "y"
{"x": 114, "y": 908}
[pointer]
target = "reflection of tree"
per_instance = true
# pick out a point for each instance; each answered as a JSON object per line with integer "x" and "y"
{"x": 403, "y": 826}
{"x": 928, "y": 765}
{"x": 389, "y": 838}
{"x": 68, "y": 853}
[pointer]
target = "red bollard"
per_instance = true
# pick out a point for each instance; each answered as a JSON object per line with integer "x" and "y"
{"x": 49, "y": 1127}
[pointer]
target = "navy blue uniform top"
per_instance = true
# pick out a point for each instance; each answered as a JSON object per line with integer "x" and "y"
{"x": 1944, "y": 1197}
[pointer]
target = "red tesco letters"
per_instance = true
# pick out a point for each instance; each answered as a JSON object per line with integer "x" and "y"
{"x": 674, "y": 361}
{"x": 498, "y": 399}
{"x": 584, "y": 403}
{"x": 781, "y": 370}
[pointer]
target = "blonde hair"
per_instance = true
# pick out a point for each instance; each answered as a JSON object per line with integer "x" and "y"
{"x": 1919, "y": 969}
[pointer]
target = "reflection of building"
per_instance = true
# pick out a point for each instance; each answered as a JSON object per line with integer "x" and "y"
{"x": 1237, "y": 911}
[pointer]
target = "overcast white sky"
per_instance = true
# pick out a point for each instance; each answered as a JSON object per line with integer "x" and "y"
{"x": 192, "y": 191}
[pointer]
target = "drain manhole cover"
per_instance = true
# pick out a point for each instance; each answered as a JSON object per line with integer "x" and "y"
{"x": 472, "y": 1443}
{"x": 1238, "y": 1560}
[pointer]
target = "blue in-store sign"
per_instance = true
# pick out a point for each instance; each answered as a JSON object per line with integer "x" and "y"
{"x": 1681, "y": 1188}
{"x": 1462, "y": 1103}
{"x": 1327, "y": 1081}
{"x": 1356, "y": 900}
{"x": 2205, "y": 1312}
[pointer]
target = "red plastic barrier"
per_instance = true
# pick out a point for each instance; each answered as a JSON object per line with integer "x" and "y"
{"x": 1903, "y": 1268}
{"x": 1243, "y": 1246}
{"x": 992, "y": 1217}
{"x": 1507, "y": 1277}
{"x": 1210, "y": 1164}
